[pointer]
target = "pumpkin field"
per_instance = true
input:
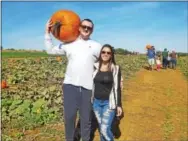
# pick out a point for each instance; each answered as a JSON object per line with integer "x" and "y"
{"x": 154, "y": 103}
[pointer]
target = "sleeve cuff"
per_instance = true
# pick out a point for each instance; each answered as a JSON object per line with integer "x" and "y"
{"x": 119, "y": 105}
{"x": 47, "y": 36}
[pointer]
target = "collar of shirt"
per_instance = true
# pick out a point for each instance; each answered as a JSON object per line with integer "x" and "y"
{"x": 80, "y": 38}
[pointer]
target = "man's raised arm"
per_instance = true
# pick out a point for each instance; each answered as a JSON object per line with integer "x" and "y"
{"x": 50, "y": 48}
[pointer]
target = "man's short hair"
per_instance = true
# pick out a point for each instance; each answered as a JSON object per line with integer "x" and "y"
{"x": 88, "y": 21}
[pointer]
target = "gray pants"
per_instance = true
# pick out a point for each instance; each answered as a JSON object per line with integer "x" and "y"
{"x": 77, "y": 99}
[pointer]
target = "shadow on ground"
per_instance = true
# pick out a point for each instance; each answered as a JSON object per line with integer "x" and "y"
{"x": 94, "y": 127}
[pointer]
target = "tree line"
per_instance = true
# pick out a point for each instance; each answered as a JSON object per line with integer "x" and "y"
{"x": 124, "y": 51}
{"x": 117, "y": 51}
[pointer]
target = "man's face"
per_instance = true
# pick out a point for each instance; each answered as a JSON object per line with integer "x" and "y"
{"x": 86, "y": 28}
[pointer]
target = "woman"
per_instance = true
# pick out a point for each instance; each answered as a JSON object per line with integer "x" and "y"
{"x": 106, "y": 96}
{"x": 169, "y": 60}
{"x": 158, "y": 62}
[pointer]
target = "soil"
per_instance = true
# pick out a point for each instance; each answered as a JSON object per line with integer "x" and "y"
{"x": 154, "y": 105}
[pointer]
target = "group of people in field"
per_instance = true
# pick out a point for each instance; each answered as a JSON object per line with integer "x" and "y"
{"x": 169, "y": 59}
{"x": 92, "y": 83}
{"x": 164, "y": 59}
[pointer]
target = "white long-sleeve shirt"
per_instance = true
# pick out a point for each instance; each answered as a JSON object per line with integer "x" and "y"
{"x": 81, "y": 55}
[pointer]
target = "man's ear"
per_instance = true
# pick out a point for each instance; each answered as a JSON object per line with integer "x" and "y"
{"x": 91, "y": 31}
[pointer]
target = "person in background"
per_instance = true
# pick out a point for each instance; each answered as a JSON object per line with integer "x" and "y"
{"x": 151, "y": 57}
{"x": 78, "y": 83}
{"x": 106, "y": 97}
{"x": 174, "y": 59}
{"x": 154, "y": 49}
{"x": 169, "y": 60}
{"x": 158, "y": 63}
{"x": 164, "y": 56}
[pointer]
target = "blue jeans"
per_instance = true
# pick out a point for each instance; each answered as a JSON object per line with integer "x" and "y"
{"x": 173, "y": 62}
{"x": 104, "y": 117}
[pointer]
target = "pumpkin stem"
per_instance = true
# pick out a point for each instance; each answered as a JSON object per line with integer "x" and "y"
{"x": 56, "y": 28}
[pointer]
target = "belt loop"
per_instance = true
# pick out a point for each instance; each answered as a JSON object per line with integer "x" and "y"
{"x": 80, "y": 89}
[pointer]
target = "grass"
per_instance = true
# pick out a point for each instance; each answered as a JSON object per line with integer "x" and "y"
{"x": 23, "y": 54}
{"x": 183, "y": 64}
{"x": 49, "y": 132}
{"x": 168, "y": 127}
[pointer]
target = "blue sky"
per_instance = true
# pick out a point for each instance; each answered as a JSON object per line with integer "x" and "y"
{"x": 128, "y": 25}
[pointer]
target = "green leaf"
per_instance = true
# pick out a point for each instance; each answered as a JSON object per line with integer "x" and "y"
{"x": 38, "y": 105}
{"x": 58, "y": 100}
{"x": 21, "y": 109}
{"x": 6, "y": 102}
{"x": 52, "y": 88}
{"x": 15, "y": 104}
{"x": 59, "y": 93}
{"x": 44, "y": 92}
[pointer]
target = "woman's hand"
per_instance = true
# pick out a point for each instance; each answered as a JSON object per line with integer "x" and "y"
{"x": 121, "y": 84}
{"x": 48, "y": 26}
{"x": 119, "y": 111}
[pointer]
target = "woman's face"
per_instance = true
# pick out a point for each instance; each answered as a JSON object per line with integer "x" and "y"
{"x": 106, "y": 54}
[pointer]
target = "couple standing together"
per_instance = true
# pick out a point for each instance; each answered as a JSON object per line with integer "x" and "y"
{"x": 92, "y": 82}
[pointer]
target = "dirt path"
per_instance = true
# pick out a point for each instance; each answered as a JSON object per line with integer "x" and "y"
{"x": 155, "y": 107}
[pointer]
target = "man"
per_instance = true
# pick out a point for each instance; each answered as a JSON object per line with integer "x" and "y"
{"x": 169, "y": 60}
{"x": 174, "y": 59}
{"x": 165, "y": 55}
{"x": 78, "y": 82}
{"x": 151, "y": 57}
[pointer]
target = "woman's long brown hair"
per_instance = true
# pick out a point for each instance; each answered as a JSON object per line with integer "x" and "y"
{"x": 111, "y": 61}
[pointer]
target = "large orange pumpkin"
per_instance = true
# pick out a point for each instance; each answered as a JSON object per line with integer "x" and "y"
{"x": 3, "y": 84}
{"x": 65, "y": 25}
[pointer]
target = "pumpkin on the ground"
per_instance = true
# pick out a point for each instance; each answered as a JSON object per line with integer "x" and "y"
{"x": 3, "y": 84}
{"x": 37, "y": 60}
{"x": 59, "y": 59}
{"x": 65, "y": 25}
